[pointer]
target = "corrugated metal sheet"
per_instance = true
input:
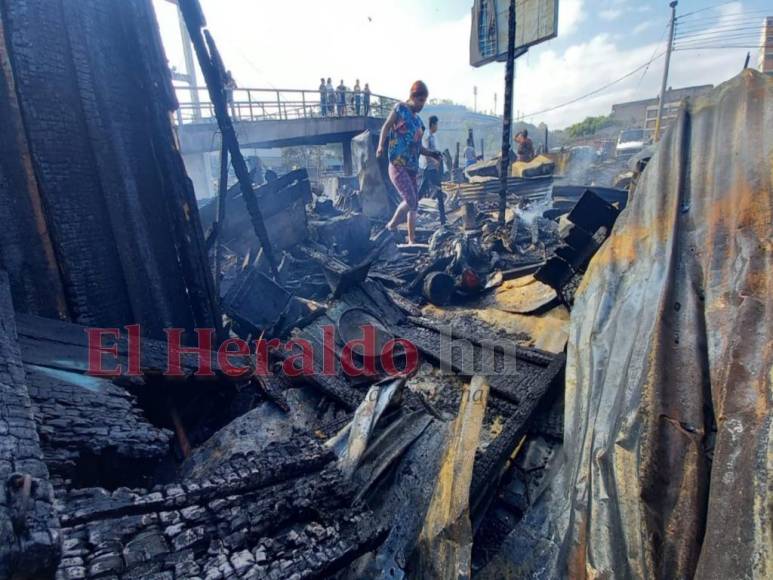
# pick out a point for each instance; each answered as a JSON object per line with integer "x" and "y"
{"x": 532, "y": 189}
{"x": 668, "y": 438}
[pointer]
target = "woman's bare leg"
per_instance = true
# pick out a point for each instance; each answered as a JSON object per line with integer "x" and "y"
{"x": 397, "y": 218}
{"x": 412, "y": 226}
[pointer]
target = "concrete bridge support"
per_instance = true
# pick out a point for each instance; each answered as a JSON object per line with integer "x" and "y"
{"x": 199, "y": 168}
{"x": 348, "y": 165}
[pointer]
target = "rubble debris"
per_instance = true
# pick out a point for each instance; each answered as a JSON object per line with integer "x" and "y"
{"x": 403, "y": 505}
{"x": 438, "y": 288}
{"x": 538, "y": 166}
{"x": 536, "y": 190}
{"x": 346, "y": 235}
{"x": 251, "y": 517}
{"x": 524, "y": 295}
{"x": 340, "y": 276}
{"x": 65, "y": 346}
{"x": 592, "y": 220}
{"x": 352, "y": 441}
{"x": 256, "y": 302}
{"x": 526, "y": 368}
{"x": 282, "y": 204}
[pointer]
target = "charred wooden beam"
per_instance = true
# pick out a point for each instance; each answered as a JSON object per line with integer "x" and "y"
{"x": 212, "y": 68}
{"x": 267, "y": 516}
{"x": 222, "y": 200}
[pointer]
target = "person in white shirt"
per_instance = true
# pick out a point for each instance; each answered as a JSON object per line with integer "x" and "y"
{"x": 431, "y": 166}
{"x": 469, "y": 151}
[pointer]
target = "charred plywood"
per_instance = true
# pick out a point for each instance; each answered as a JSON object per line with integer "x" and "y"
{"x": 282, "y": 203}
{"x": 65, "y": 346}
{"x": 92, "y": 431}
{"x": 36, "y": 282}
{"x": 29, "y": 529}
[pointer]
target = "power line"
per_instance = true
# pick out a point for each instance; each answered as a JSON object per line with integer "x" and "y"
{"x": 707, "y": 8}
{"x": 720, "y": 38}
{"x": 688, "y": 14}
{"x": 721, "y": 23}
{"x": 657, "y": 45}
{"x": 748, "y": 34}
{"x": 755, "y": 29}
{"x": 713, "y": 47}
{"x": 596, "y": 91}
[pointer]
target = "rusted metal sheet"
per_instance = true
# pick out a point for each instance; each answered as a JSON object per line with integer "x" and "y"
{"x": 670, "y": 362}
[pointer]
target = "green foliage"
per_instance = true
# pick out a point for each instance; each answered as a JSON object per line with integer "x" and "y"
{"x": 442, "y": 102}
{"x": 589, "y": 126}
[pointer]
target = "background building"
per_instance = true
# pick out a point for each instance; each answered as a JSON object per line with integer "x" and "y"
{"x": 643, "y": 114}
{"x": 635, "y": 113}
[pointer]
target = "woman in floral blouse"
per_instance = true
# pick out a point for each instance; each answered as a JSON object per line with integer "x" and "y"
{"x": 403, "y": 131}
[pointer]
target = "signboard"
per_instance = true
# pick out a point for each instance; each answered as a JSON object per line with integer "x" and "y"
{"x": 535, "y": 21}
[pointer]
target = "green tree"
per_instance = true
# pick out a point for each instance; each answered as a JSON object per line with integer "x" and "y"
{"x": 589, "y": 126}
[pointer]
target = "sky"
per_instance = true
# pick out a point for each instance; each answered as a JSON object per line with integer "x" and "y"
{"x": 390, "y": 43}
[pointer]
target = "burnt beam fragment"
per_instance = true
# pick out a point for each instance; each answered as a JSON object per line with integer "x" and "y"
{"x": 489, "y": 465}
{"x": 213, "y": 71}
{"x": 92, "y": 432}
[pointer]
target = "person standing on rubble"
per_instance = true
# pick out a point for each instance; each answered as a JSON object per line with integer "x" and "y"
{"x": 469, "y": 151}
{"x": 525, "y": 149}
{"x": 357, "y": 97}
{"x": 323, "y": 97}
{"x": 431, "y": 173}
{"x": 404, "y": 131}
{"x": 366, "y": 99}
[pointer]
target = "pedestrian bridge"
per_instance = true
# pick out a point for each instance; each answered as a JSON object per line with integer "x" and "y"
{"x": 268, "y": 118}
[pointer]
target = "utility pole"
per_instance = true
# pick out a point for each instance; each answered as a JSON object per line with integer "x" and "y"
{"x": 661, "y": 102}
{"x": 475, "y": 93}
{"x": 496, "y": 109}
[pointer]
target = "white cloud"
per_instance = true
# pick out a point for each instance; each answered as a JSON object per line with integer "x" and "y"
{"x": 570, "y": 16}
{"x": 642, "y": 27}
{"x": 610, "y": 14}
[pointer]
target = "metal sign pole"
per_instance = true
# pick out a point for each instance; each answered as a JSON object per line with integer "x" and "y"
{"x": 504, "y": 171}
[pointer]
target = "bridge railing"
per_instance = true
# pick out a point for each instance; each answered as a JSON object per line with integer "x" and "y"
{"x": 279, "y": 104}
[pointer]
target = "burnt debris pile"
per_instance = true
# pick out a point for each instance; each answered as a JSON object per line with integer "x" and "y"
{"x": 273, "y": 385}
